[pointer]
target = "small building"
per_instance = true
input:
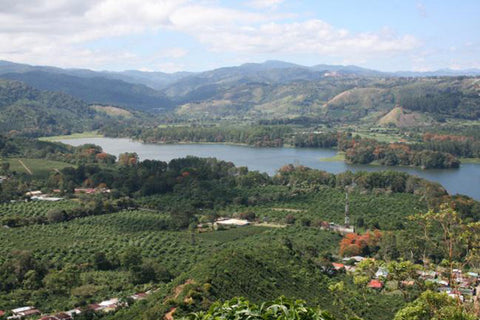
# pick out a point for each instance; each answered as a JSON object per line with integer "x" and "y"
{"x": 338, "y": 266}
{"x": 25, "y": 312}
{"x": 232, "y": 222}
{"x": 375, "y": 284}
{"x": 109, "y": 305}
{"x": 34, "y": 193}
{"x": 94, "y": 307}
{"x": 45, "y": 198}
{"x": 381, "y": 273}
{"x": 139, "y": 296}
{"x": 73, "y": 312}
{"x": 85, "y": 190}
{"x": 355, "y": 258}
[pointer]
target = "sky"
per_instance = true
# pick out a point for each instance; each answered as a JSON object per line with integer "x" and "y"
{"x": 183, "y": 35}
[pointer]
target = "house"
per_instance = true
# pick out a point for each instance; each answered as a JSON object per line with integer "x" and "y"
{"x": 73, "y": 312}
{"x": 139, "y": 296}
{"x": 34, "y": 193}
{"x": 375, "y": 284}
{"x": 94, "y": 307}
{"x": 109, "y": 305}
{"x": 85, "y": 190}
{"x": 407, "y": 283}
{"x": 58, "y": 316}
{"x": 338, "y": 266}
{"x": 381, "y": 273}
{"x": 232, "y": 222}
{"x": 44, "y": 198}
{"x": 91, "y": 190}
{"x": 25, "y": 312}
{"x": 356, "y": 258}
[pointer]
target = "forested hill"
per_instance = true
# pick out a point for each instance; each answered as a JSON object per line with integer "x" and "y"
{"x": 96, "y": 89}
{"x": 33, "y": 112}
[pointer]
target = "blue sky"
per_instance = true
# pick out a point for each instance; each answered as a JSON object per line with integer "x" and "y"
{"x": 176, "y": 35}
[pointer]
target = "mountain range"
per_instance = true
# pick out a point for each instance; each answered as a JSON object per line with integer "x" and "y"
{"x": 269, "y": 90}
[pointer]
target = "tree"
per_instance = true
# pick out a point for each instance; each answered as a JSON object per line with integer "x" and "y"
{"x": 101, "y": 261}
{"x": 60, "y": 282}
{"x": 56, "y": 215}
{"x": 433, "y": 306}
{"x": 458, "y": 242}
{"x": 131, "y": 258}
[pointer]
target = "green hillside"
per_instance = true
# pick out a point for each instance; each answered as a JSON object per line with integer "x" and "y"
{"x": 96, "y": 89}
{"x": 33, "y": 112}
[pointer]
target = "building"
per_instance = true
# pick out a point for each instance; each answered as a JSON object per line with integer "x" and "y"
{"x": 381, "y": 273}
{"x": 19, "y": 313}
{"x": 34, "y": 193}
{"x": 338, "y": 266}
{"x": 231, "y": 222}
{"x": 139, "y": 296}
{"x": 375, "y": 284}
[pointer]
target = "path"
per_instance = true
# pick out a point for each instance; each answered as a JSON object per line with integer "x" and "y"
{"x": 169, "y": 314}
{"x": 26, "y": 168}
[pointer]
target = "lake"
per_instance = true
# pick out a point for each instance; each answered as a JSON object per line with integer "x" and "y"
{"x": 464, "y": 180}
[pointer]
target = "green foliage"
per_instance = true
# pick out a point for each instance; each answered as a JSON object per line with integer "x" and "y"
{"x": 434, "y": 306}
{"x": 282, "y": 309}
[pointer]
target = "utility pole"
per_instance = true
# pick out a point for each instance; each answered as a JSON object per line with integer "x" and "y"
{"x": 347, "y": 211}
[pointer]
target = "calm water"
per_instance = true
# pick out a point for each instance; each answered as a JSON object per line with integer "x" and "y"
{"x": 465, "y": 180}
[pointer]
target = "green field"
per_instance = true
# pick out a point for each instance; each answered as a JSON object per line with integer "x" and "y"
{"x": 87, "y": 134}
{"x": 34, "y": 208}
{"x": 340, "y": 156}
{"x": 36, "y": 167}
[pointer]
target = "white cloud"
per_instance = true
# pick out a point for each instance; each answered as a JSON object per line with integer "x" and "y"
{"x": 173, "y": 53}
{"x": 311, "y": 36}
{"x": 57, "y": 32}
{"x": 262, "y": 4}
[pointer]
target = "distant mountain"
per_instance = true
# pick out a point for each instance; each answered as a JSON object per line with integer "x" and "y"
{"x": 95, "y": 89}
{"x": 155, "y": 80}
{"x": 273, "y": 89}
{"x": 32, "y": 112}
{"x": 439, "y": 73}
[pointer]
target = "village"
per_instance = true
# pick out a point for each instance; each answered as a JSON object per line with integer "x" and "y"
{"x": 110, "y": 305}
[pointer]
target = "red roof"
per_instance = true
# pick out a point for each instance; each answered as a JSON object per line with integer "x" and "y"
{"x": 338, "y": 265}
{"x": 63, "y": 316}
{"x": 375, "y": 284}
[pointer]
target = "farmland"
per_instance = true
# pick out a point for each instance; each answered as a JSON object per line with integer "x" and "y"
{"x": 39, "y": 168}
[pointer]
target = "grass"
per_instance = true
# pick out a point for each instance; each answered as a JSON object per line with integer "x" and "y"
{"x": 38, "y": 167}
{"x": 87, "y": 134}
{"x": 470, "y": 160}
{"x": 340, "y": 156}
{"x": 381, "y": 137}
